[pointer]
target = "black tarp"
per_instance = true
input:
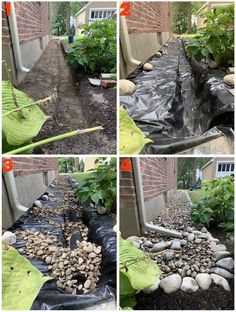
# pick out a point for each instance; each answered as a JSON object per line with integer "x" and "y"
{"x": 179, "y": 102}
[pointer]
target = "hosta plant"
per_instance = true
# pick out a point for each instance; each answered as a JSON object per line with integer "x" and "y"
{"x": 21, "y": 281}
{"x": 137, "y": 272}
{"x": 132, "y": 139}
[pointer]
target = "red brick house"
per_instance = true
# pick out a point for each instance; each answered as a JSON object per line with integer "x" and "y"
{"x": 143, "y": 32}
{"x": 31, "y": 177}
{"x": 25, "y": 34}
{"x": 159, "y": 182}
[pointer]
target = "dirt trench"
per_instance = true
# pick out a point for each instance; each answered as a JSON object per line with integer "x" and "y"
{"x": 76, "y": 106}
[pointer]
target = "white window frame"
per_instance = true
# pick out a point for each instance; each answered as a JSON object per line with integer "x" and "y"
{"x": 224, "y": 173}
{"x": 91, "y": 20}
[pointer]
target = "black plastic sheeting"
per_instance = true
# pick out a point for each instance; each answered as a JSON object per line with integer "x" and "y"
{"x": 179, "y": 104}
{"x": 101, "y": 232}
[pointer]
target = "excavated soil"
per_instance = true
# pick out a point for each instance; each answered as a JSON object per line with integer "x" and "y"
{"x": 77, "y": 105}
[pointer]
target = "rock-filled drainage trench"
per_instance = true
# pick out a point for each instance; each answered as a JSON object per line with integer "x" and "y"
{"x": 53, "y": 237}
{"x": 175, "y": 103}
{"x": 191, "y": 263}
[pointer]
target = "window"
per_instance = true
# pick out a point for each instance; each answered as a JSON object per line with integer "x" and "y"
{"x": 99, "y": 14}
{"x": 225, "y": 168}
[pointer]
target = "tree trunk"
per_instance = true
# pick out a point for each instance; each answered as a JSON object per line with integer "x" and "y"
{"x": 189, "y": 10}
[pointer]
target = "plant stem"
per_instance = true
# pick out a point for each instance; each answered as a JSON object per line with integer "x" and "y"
{"x": 28, "y": 105}
{"x": 52, "y": 139}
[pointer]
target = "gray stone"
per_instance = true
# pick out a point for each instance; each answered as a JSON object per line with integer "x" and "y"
{"x": 222, "y": 272}
{"x": 220, "y": 254}
{"x": 159, "y": 246}
{"x": 219, "y": 280}
{"x": 197, "y": 232}
{"x": 158, "y": 54}
{"x": 169, "y": 255}
{"x": 204, "y": 230}
{"x": 186, "y": 234}
{"x": 189, "y": 229}
{"x": 191, "y": 237}
{"x": 183, "y": 242}
{"x": 203, "y": 280}
{"x": 171, "y": 283}
{"x": 44, "y": 197}
{"x": 175, "y": 245}
{"x": 219, "y": 247}
{"x": 148, "y": 244}
{"x": 198, "y": 240}
{"x": 189, "y": 285}
{"x": 226, "y": 263}
{"x": 38, "y": 204}
{"x": 9, "y": 238}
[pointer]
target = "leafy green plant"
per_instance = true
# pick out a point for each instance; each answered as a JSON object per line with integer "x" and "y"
{"x": 218, "y": 206}
{"x": 215, "y": 42}
{"x": 99, "y": 187}
{"x": 137, "y": 272}
{"x": 21, "y": 281}
{"x": 132, "y": 140}
{"x": 96, "y": 50}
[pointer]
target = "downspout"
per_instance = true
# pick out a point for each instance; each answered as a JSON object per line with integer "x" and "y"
{"x": 18, "y": 209}
{"x": 125, "y": 44}
{"x": 141, "y": 205}
{"x": 15, "y": 41}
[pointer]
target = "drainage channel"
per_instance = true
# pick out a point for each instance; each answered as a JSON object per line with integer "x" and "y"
{"x": 66, "y": 241}
{"x": 180, "y": 104}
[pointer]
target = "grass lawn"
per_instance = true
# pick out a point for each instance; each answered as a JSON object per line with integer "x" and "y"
{"x": 65, "y": 40}
{"x": 197, "y": 195}
{"x": 187, "y": 35}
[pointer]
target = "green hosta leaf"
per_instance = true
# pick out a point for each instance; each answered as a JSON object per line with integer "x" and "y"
{"x": 141, "y": 271}
{"x": 132, "y": 140}
{"x": 21, "y": 281}
{"x": 19, "y": 130}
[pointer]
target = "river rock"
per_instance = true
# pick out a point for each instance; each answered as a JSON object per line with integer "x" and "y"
{"x": 222, "y": 272}
{"x": 171, "y": 283}
{"x": 169, "y": 255}
{"x": 147, "y": 67}
{"x": 226, "y": 263}
{"x": 158, "y": 54}
{"x": 159, "y": 246}
{"x": 175, "y": 244}
{"x": 189, "y": 229}
{"x": 229, "y": 79}
{"x": 204, "y": 230}
{"x": 191, "y": 237}
{"x": 219, "y": 280}
{"x": 203, "y": 280}
{"x": 44, "y": 197}
{"x": 87, "y": 284}
{"x": 38, "y": 204}
{"x": 189, "y": 285}
{"x": 9, "y": 238}
{"x": 127, "y": 87}
{"x": 220, "y": 254}
{"x": 198, "y": 240}
{"x": 148, "y": 244}
{"x": 219, "y": 247}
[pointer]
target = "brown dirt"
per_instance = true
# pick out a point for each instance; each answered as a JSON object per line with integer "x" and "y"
{"x": 78, "y": 105}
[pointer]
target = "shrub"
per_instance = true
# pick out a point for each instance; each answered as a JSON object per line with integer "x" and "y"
{"x": 99, "y": 187}
{"x": 216, "y": 40}
{"x": 218, "y": 206}
{"x": 96, "y": 51}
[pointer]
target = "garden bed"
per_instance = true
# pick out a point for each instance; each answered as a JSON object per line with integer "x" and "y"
{"x": 57, "y": 239}
{"x": 185, "y": 259}
{"x": 178, "y": 107}
{"x": 78, "y": 105}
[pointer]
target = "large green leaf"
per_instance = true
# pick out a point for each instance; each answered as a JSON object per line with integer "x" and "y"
{"x": 132, "y": 140}
{"x": 19, "y": 130}
{"x": 141, "y": 271}
{"x": 21, "y": 281}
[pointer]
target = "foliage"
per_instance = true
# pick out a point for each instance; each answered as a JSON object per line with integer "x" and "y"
{"x": 21, "y": 281}
{"x": 215, "y": 42}
{"x": 132, "y": 140}
{"x": 181, "y": 17}
{"x": 96, "y": 51}
{"x": 65, "y": 163}
{"x": 137, "y": 272}
{"x": 218, "y": 206}
{"x": 21, "y": 126}
{"x": 99, "y": 187}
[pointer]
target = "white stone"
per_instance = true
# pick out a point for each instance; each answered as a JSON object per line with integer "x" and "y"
{"x": 38, "y": 204}
{"x": 198, "y": 240}
{"x": 222, "y": 272}
{"x": 148, "y": 244}
{"x": 204, "y": 230}
{"x": 169, "y": 255}
{"x": 175, "y": 244}
{"x": 226, "y": 263}
{"x": 44, "y": 197}
{"x": 219, "y": 280}
{"x": 9, "y": 238}
{"x": 229, "y": 79}
{"x": 219, "y": 247}
{"x": 147, "y": 67}
{"x": 171, "y": 283}
{"x": 221, "y": 254}
{"x": 127, "y": 87}
{"x": 203, "y": 280}
{"x": 189, "y": 285}
{"x": 158, "y": 54}
{"x": 191, "y": 237}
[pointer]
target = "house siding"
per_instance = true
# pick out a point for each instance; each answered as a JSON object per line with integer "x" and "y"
{"x": 209, "y": 172}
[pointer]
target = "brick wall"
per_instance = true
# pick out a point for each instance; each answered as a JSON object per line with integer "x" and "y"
{"x": 33, "y": 21}
{"x": 25, "y": 166}
{"x": 149, "y": 17}
{"x": 158, "y": 175}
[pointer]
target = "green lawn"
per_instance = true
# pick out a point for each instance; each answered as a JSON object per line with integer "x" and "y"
{"x": 187, "y": 35}
{"x": 197, "y": 195}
